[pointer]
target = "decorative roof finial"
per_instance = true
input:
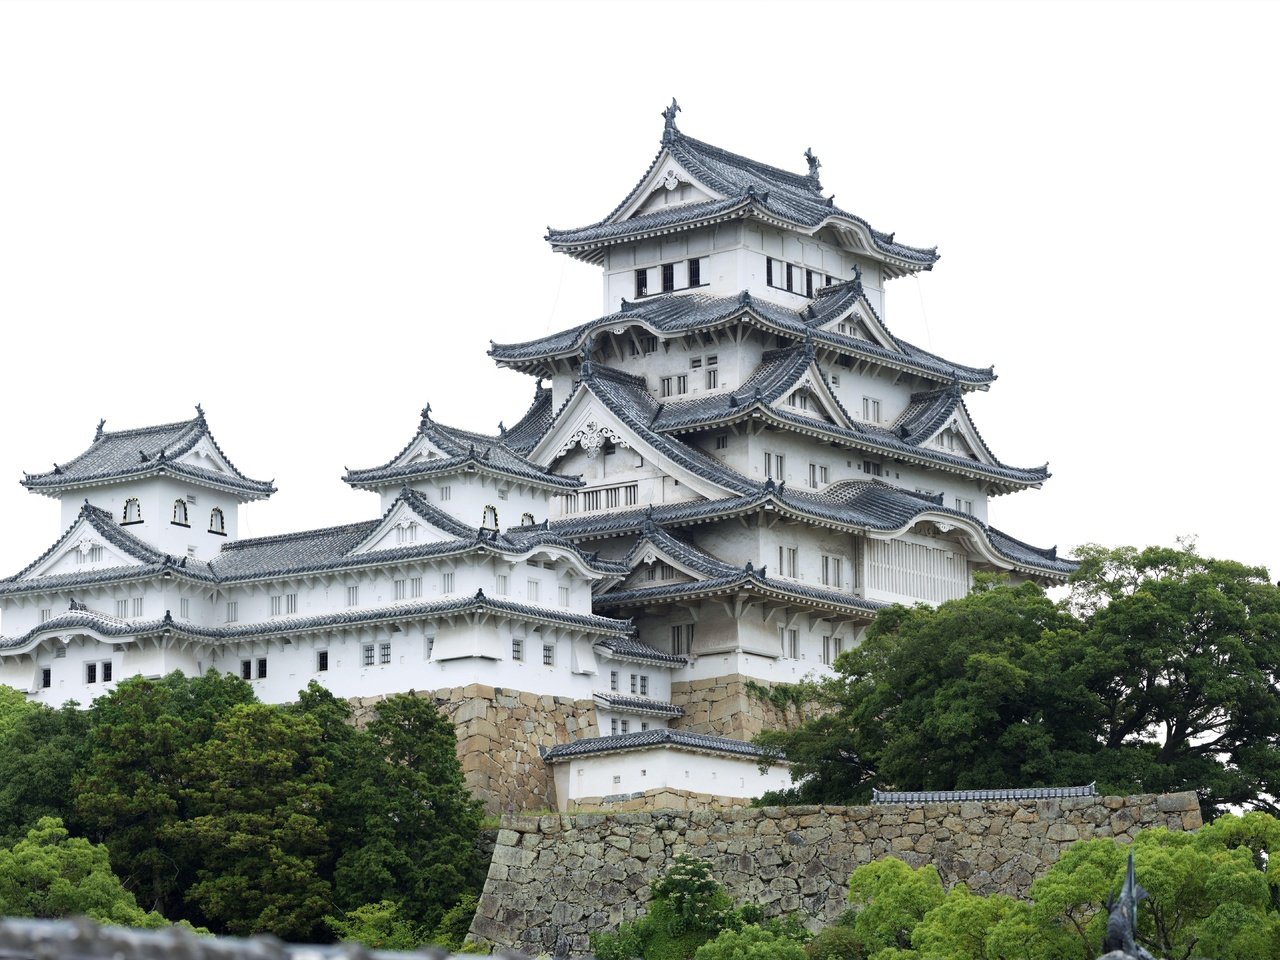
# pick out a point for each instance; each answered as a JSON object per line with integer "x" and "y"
{"x": 669, "y": 115}
{"x": 199, "y": 412}
{"x": 101, "y": 423}
{"x": 426, "y": 413}
{"x": 813, "y": 163}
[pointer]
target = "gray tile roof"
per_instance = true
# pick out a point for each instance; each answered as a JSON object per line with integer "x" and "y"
{"x": 82, "y": 939}
{"x": 110, "y": 626}
{"x": 660, "y": 737}
{"x": 463, "y": 450}
{"x": 744, "y": 184}
{"x": 128, "y": 454}
{"x": 861, "y": 504}
{"x": 632, "y": 648}
{"x": 954, "y": 796}
{"x": 643, "y": 705}
{"x": 303, "y": 552}
{"x": 530, "y": 428}
{"x": 677, "y": 314}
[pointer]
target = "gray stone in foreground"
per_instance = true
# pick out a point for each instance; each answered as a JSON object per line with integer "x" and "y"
{"x": 82, "y": 939}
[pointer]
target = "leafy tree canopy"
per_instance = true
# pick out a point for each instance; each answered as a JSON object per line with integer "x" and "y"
{"x": 51, "y": 874}
{"x": 41, "y": 752}
{"x": 1156, "y": 674}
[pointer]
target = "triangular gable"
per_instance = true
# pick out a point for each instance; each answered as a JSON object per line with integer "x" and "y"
{"x": 654, "y": 567}
{"x": 586, "y": 423}
{"x": 810, "y": 397}
{"x": 959, "y": 437}
{"x": 404, "y": 526}
{"x": 205, "y": 456}
{"x": 421, "y": 450}
{"x": 83, "y": 549}
{"x": 861, "y": 323}
{"x": 668, "y": 184}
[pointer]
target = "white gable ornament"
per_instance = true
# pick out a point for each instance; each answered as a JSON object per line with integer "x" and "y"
{"x": 592, "y": 436}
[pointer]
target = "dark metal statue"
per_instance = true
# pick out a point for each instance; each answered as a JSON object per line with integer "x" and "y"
{"x": 1122, "y": 922}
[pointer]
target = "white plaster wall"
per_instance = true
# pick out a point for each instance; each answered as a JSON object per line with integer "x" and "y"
{"x": 156, "y": 496}
{"x": 635, "y": 771}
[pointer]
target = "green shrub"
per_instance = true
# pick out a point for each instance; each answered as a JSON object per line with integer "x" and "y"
{"x": 750, "y": 943}
{"x": 835, "y": 943}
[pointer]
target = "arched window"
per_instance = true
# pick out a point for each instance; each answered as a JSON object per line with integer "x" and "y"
{"x": 132, "y": 511}
{"x": 490, "y": 521}
{"x": 526, "y": 519}
{"x": 216, "y": 522}
{"x": 180, "y": 513}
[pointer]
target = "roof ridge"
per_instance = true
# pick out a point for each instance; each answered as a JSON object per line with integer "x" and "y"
{"x": 296, "y": 535}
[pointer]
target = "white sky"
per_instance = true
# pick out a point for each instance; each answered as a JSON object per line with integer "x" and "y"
{"x": 312, "y": 218}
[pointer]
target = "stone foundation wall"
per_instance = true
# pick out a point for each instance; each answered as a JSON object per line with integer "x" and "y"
{"x": 555, "y": 879}
{"x": 659, "y": 798}
{"x": 499, "y": 732}
{"x": 725, "y": 707}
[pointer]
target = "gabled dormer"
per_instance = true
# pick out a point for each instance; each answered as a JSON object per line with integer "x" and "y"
{"x": 705, "y": 220}
{"x": 171, "y": 485}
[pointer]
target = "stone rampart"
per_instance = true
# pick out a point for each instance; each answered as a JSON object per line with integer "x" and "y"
{"x": 725, "y": 706}
{"x": 499, "y": 732}
{"x": 555, "y": 879}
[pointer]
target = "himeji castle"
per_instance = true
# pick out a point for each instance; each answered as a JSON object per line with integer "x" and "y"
{"x": 718, "y": 483}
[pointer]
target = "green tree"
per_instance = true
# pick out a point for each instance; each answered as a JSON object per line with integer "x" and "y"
{"x": 890, "y": 899}
{"x": 750, "y": 943}
{"x": 1183, "y": 655}
{"x": 981, "y": 691}
{"x": 130, "y": 788}
{"x": 42, "y": 750}
{"x": 421, "y": 824}
{"x": 378, "y": 926}
{"x": 51, "y": 874}
{"x": 256, "y": 795}
{"x": 13, "y": 704}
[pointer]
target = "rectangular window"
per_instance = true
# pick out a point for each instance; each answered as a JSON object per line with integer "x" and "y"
{"x": 184, "y": 608}
{"x": 790, "y": 640}
{"x": 827, "y": 652}
{"x": 644, "y": 686}
{"x": 713, "y": 372}
{"x": 429, "y": 646}
{"x": 665, "y": 386}
{"x": 682, "y": 639}
{"x": 613, "y": 680}
{"x": 517, "y": 648}
{"x": 290, "y": 603}
{"x": 788, "y": 560}
{"x": 649, "y": 343}
{"x": 624, "y": 726}
{"x": 668, "y": 277}
{"x": 384, "y": 653}
{"x": 415, "y": 587}
{"x": 790, "y": 277}
{"x": 774, "y": 463}
{"x": 635, "y": 683}
{"x": 122, "y": 609}
{"x": 446, "y": 494}
{"x": 613, "y": 729}
{"x": 46, "y": 614}
{"x": 644, "y": 724}
{"x": 564, "y": 596}
{"x": 322, "y": 661}
{"x": 277, "y": 605}
{"x": 871, "y": 409}
{"x": 695, "y": 363}
{"x": 46, "y": 677}
{"x": 531, "y": 591}
{"x": 399, "y": 589}
{"x": 808, "y": 283}
{"x": 768, "y": 271}
{"x": 262, "y": 668}
{"x": 407, "y": 533}
{"x": 446, "y": 582}
{"x": 90, "y": 673}
{"x": 548, "y": 655}
{"x": 722, "y": 442}
{"x": 833, "y": 572}
{"x": 366, "y": 655}
{"x": 642, "y": 282}
{"x": 233, "y": 611}
{"x": 106, "y": 671}
{"x": 871, "y": 467}
{"x": 695, "y": 273}
{"x": 136, "y": 605}
{"x": 501, "y": 588}
{"x": 682, "y": 383}
{"x": 631, "y": 494}
{"x": 353, "y": 596}
{"x": 964, "y": 506}
{"x": 246, "y": 669}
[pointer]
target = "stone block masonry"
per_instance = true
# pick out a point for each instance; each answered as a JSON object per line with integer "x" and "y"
{"x": 556, "y": 879}
{"x": 726, "y": 707}
{"x": 499, "y": 732}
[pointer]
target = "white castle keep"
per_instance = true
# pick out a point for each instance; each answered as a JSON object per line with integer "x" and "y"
{"x": 719, "y": 481}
